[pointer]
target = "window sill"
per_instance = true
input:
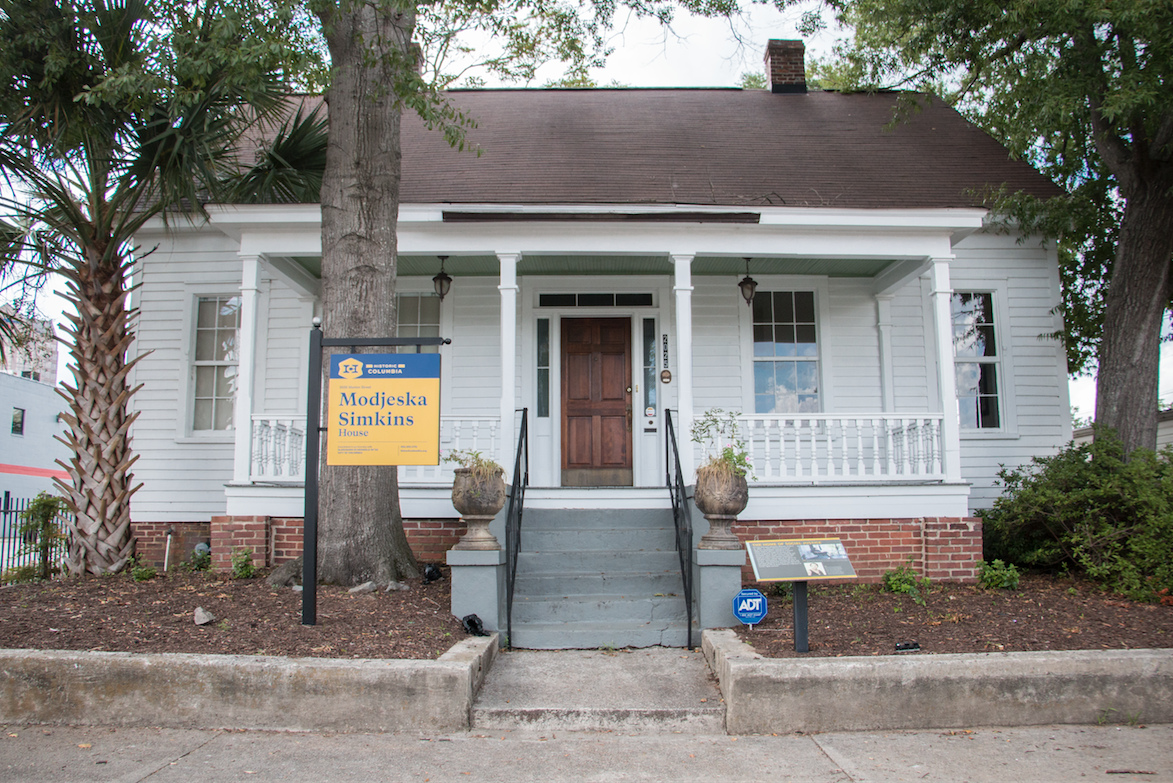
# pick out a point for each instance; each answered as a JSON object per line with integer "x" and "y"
{"x": 990, "y": 435}
{"x": 214, "y": 438}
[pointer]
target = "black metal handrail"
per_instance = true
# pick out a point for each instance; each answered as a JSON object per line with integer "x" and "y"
{"x": 513, "y": 520}
{"x": 681, "y": 516}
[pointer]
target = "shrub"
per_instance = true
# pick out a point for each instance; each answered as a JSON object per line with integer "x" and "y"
{"x": 41, "y": 532}
{"x": 242, "y": 564}
{"x": 997, "y": 575}
{"x": 906, "y": 581}
{"x": 18, "y": 574}
{"x": 200, "y": 560}
{"x": 140, "y": 571}
{"x": 1090, "y": 508}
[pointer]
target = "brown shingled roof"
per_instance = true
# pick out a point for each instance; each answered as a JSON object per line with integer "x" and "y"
{"x": 739, "y": 148}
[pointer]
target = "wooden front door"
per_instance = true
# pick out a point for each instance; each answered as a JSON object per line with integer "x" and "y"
{"x": 596, "y": 402}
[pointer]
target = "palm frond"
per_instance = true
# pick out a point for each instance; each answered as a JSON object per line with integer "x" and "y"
{"x": 289, "y": 169}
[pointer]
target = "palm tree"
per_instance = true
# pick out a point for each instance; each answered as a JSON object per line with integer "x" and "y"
{"x": 114, "y": 113}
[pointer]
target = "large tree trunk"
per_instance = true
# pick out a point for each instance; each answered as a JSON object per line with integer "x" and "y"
{"x": 100, "y": 483}
{"x": 1126, "y": 384}
{"x": 360, "y": 530}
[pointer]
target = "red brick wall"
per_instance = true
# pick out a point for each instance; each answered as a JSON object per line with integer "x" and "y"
{"x": 151, "y": 540}
{"x": 230, "y": 534}
{"x": 786, "y": 63}
{"x": 430, "y": 539}
{"x": 284, "y": 539}
{"x": 942, "y": 549}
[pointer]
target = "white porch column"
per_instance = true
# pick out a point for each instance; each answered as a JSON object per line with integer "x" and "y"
{"x": 946, "y": 378}
{"x": 246, "y": 347}
{"x": 682, "y": 286}
{"x": 884, "y": 326}
{"x": 508, "y": 289}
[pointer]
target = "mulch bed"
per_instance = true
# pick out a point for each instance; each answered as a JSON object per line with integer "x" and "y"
{"x": 1044, "y": 613}
{"x": 156, "y": 616}
{"x": 117, "y": 613}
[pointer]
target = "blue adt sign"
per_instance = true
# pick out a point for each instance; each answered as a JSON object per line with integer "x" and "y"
{"x": 750, "y": 606}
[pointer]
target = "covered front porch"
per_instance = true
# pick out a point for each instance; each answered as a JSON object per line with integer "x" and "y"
{"x": 857, "y": 443}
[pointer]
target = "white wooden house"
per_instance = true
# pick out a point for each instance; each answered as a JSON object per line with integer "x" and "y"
{"x": 891, "y": 359}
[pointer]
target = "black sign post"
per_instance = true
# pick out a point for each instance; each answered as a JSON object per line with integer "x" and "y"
{"x": 799, "y": 560}
{"x": 314, "y": 429}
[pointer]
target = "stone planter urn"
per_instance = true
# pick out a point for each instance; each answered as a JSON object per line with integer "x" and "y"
{"x": 721, "y": 495}
{"x": 478, "y": 496}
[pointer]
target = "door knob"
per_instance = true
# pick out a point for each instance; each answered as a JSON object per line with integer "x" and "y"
{"x": 629, "y": 390}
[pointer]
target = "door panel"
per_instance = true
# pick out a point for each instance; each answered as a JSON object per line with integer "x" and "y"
{"x": 596, "y": 402}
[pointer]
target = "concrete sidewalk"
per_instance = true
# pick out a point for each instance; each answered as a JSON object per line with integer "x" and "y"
{"x": 63, "y": 754}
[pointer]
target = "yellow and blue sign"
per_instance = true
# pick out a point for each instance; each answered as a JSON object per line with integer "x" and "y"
{"x": 384, "y": 409}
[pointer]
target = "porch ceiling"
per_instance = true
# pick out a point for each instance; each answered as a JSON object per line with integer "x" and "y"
{"x": 553, "y": 265}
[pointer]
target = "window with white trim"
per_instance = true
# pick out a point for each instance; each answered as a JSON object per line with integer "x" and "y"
{"x": 976, "y": 360}
{"x": 419, "y": 316}
{"x": 216, "y": 357}
{"x": 785, "y": 352}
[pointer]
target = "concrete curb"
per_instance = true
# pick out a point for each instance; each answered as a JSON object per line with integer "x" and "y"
{"x": 245, "y": 692}
{"x": 764, "y": 695}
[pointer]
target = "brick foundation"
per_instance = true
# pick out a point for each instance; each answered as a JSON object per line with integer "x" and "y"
{"x": 151, "y": 540}
{"x": 943, "y": 549}
{"x": 273, "y": 540}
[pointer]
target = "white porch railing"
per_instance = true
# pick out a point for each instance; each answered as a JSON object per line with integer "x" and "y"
{"x": 864, "y": 447}
{"x": 278, "y": 448}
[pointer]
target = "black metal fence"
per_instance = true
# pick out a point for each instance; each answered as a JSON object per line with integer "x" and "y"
{"x": 681, "y": 515}
{"x": 17, "y": 549}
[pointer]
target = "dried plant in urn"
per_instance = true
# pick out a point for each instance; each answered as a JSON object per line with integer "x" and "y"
{"x": 721, "y": 489}
{"x": 478, "y": 493}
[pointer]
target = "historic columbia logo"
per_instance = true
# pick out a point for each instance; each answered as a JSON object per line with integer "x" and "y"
{"x": 350, "y": 368}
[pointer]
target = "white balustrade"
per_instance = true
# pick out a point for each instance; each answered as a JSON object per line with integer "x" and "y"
{"x": 278, "y": 448}
{"x": 864, "y": 447}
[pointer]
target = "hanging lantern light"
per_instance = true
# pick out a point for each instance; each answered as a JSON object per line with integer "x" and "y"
{"x": 442, "y": 282}
{"x": 748, "y": 285}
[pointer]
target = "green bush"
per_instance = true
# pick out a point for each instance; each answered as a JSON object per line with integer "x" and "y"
{"x": 242, "y": 564}
{"x": 1090, "y": 508}
{"x": 997, "y": 575}
{"x": 41, "y": 531}
{"x": 140, "y": 571}
{"x": 906, "y": 581}
{"x": 19, "y": 574}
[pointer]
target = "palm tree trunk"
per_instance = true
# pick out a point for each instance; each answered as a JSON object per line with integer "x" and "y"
{"x": 101, "y": 483}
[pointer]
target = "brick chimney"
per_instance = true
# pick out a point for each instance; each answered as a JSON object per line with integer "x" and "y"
{"x": 786, "y": 66}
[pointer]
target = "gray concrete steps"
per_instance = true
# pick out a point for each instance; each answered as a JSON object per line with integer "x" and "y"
{"x": 598, "y": 578}
{"x": 605, "y": 608}
{"x": 647, "y": 691}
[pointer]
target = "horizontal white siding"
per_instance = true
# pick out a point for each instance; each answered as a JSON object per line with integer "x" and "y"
{"x": 1034, "y": 368}
{"x": 851, "y": 347}
{"x": 914, "y": 389}
{"x": 472, "y": 363}
{"x": 716, "y": 344}
{"x": 182, "y": 480}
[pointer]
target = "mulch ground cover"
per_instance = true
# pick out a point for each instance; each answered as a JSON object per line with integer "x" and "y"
{"x": 1044, "y": 613}
{"x": 157, "y": 616}
{"x": 252, "y": 618}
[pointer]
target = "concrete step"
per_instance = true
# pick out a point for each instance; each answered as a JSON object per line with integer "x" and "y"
{"x": 575, "y": 540}
{"x": 611, "y": 635}
{"x": 560, "y": 583}
{"x": 599, "y": 562}
{"x": 593, "y": 519}
{"x": 598, "y": 608}
{"x": 655, "y": 690}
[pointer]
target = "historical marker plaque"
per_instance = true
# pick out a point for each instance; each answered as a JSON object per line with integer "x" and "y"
{"x": 799, "y": 560}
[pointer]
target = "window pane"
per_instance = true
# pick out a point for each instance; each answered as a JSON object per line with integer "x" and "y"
{"x": 807, "y": 381}
{"x": 430, "y": 310}
{"x": 229, "y": 313}
{"x": 783, "y": 306}
{"x": 225, "y": 382}
{"x": 203, "y": 415}
{"x": 763, "y": 403}
{"x": 649, "y": 342}
{"x": 784, "y": 377}
{"x": 543, "y": 393}
{"x": 808, "y": 403}
{"x": 409, "y": 310}
{"x": 18, "y": 421}
{"x": 205, "y": 345}
{"x": 763, "y": 340}
{"x": 205, "y": 381}
{"x": 784, "y": 340}
{"x": 207, "y": 314}
{"x": 804, "y": 307}
{"x": 429, "y": 330}
{"x": 805, "y": 338}
{"x": 763, "y": 378}
{"x": 762, "y": 312}
{"x": 543, "y": 342}
{"x": 225, "y": 346}
{"x": 223, "y": 415}
{"x": 650, "y": 390}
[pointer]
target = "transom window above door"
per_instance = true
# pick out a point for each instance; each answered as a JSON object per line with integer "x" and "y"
{"x": 785, "y": 352}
